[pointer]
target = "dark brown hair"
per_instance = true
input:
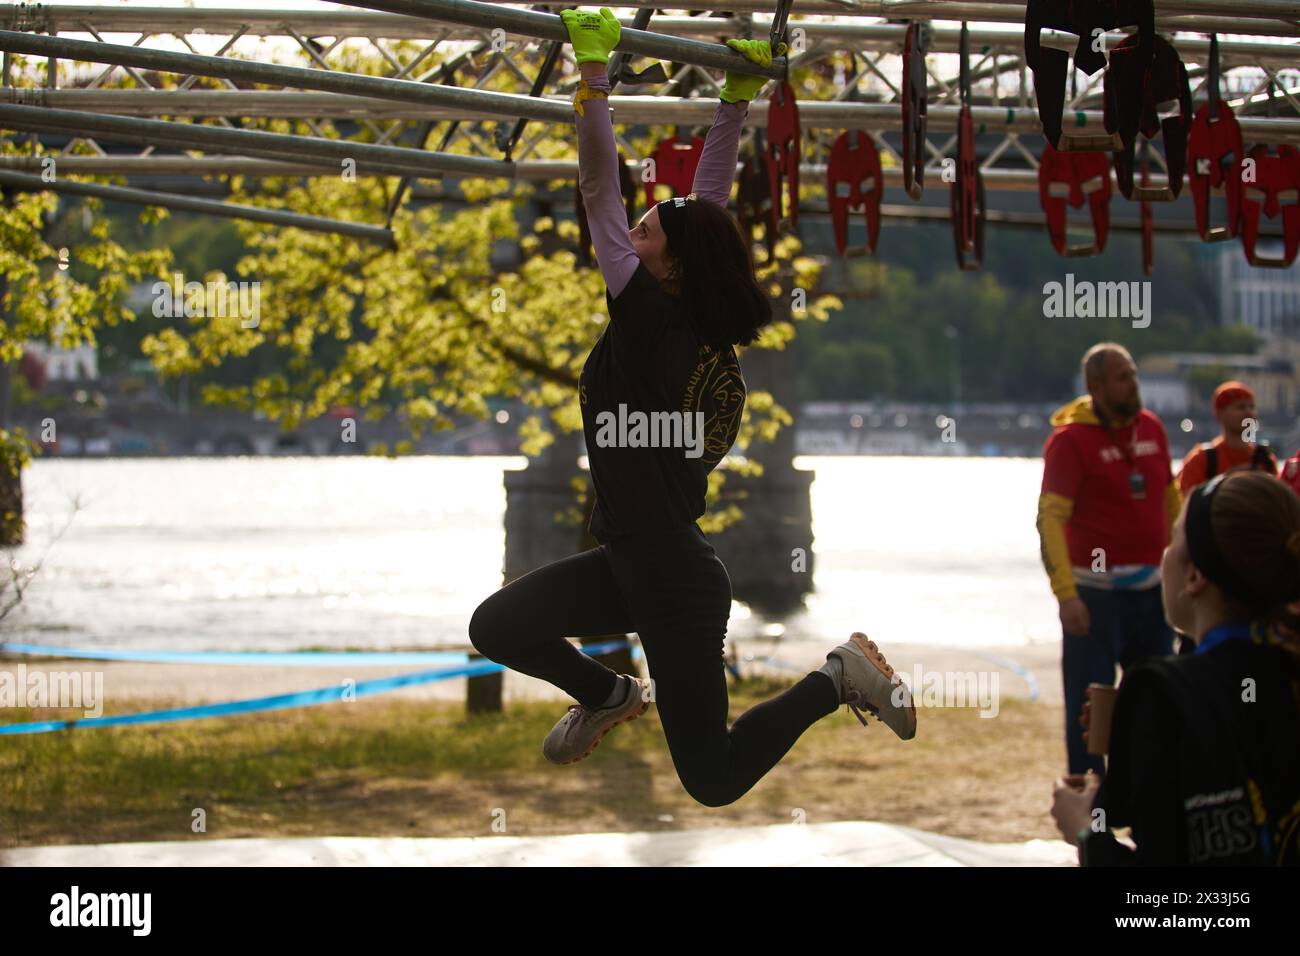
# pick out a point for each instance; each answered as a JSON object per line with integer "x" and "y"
{"x": 715, "y": 278}
{"x": 1256, "y": 522}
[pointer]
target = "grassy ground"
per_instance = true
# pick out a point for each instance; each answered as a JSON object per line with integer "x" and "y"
{"x": 407, "y": 768}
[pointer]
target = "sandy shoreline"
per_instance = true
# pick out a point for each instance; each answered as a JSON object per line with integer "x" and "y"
{"x": 1016, "y": 671}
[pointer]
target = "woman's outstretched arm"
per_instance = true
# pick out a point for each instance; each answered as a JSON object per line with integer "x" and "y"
{"x": 717, "y": 167}
{"x": 598, "y": 179}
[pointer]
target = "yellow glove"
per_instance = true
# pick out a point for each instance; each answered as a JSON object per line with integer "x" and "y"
{"x": 593, "y": 35}
{"x": 742, "y": 86}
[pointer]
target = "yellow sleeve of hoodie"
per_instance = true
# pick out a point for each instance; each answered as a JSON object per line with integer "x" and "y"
{"x": 1173, "y": 507}
{"x": 1053, "y": 512}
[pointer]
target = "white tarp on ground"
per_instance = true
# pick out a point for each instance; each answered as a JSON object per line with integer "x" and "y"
{"x": 786, "y": 844}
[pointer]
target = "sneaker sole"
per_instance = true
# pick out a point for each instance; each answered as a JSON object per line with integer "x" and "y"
{"x": 645, "y": 705}
{"x": 872, "y": 653}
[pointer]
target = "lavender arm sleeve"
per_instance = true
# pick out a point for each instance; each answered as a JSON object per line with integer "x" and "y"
{"x": 717, "y": 167}
{"x": 602, "y": 196}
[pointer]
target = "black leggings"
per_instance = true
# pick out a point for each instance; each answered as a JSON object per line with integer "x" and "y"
{"x": 674, "y": 592}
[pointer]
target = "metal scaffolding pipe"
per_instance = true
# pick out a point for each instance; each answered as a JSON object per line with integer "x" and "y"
{"x": 215, "y": 21}
{"x": 211, "y": 207}
{"x": 1279, "y": 9}
{"x": 171, "y": 165}
{"x": 284, "y": 162}
{"x": 478, "y": 105}
{"x": 813, "y": 210}
{"x": 886, "y": 36}
{"x": 466, "y": 101}
{"x": 541, "y": 170}
{"x": 549, "y": 26}
{"x": 44, "y": 123}
{"x": 507, "y": 104}
{"x": 1004, "y": 180}
{"x": 139, "y": 18}
{"x": 1271, "y": 14}
{"x": 394, "y": 160}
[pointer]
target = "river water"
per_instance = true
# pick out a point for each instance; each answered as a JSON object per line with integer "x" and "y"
{"x": 288, "y": 553}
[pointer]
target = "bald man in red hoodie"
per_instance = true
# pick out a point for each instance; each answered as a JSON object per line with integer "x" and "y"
{"x": 1107, "y": 503}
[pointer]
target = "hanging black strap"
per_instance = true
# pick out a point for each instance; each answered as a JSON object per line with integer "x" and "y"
{"x": 1213, "y": 82}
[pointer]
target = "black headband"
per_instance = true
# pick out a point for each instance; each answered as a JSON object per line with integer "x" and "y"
{"x": 672, "y": 219}
{"x": 1204, "y": 548}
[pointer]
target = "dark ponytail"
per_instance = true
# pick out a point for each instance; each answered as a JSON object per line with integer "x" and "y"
{"x": 715, "y": 278}
{"x": 1256, "y": 522}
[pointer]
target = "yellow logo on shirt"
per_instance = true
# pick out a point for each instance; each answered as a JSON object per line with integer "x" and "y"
{"x": 717, "y": 381}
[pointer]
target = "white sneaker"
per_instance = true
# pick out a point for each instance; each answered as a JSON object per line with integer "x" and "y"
{"x": 868, "y": 681}
{"x": 578, "y": 732}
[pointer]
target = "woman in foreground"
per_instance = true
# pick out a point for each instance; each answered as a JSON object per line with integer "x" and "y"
{"x": 1205, "y": 747}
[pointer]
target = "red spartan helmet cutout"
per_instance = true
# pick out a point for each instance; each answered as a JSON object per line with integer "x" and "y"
{"x": 1275, "y": 191}
{"x": 1070, "y": 179}
{"x": 1214, "y": 154}
{"x": 854, "y": 181}
{"x": 675, "y": 164}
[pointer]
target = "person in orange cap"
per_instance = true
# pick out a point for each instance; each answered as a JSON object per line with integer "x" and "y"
{"x": 1234, "y": 407}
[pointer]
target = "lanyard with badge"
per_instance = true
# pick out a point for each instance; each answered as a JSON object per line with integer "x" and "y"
{"x": 1137, "y": 482}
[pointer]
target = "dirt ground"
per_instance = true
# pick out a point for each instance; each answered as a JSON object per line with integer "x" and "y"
{"x": 419, "y": 768}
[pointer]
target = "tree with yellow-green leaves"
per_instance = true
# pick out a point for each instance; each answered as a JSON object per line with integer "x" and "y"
{"x": 58, "y": 295}
{"x": 431, "y": 328}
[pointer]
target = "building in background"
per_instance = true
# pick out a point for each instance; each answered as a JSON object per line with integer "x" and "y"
{"x": 1182, "y": 382}
{"x": 78, "y": 364}
{"x": 1266, "y": 301}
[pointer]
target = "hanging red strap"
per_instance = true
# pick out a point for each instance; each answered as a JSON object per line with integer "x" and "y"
{"x": 854, "y": 182}
{"x": 1071, "y": 180}
{"x": 966, "y": 199}
{"x": 1214, "y": 155}
{"x": 783, "y": 152}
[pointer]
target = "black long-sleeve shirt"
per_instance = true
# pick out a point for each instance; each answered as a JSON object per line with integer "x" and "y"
{"x": 1205, "y": 761}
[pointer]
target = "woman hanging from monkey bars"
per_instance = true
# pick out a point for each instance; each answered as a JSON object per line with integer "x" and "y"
{"x": 682, "y": 294}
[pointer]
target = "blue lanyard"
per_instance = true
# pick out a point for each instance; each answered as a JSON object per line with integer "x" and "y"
{"x": 1224, "y": 632}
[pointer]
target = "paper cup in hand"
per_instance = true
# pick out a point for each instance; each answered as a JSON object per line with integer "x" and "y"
{"x": 1102, "y": 698}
